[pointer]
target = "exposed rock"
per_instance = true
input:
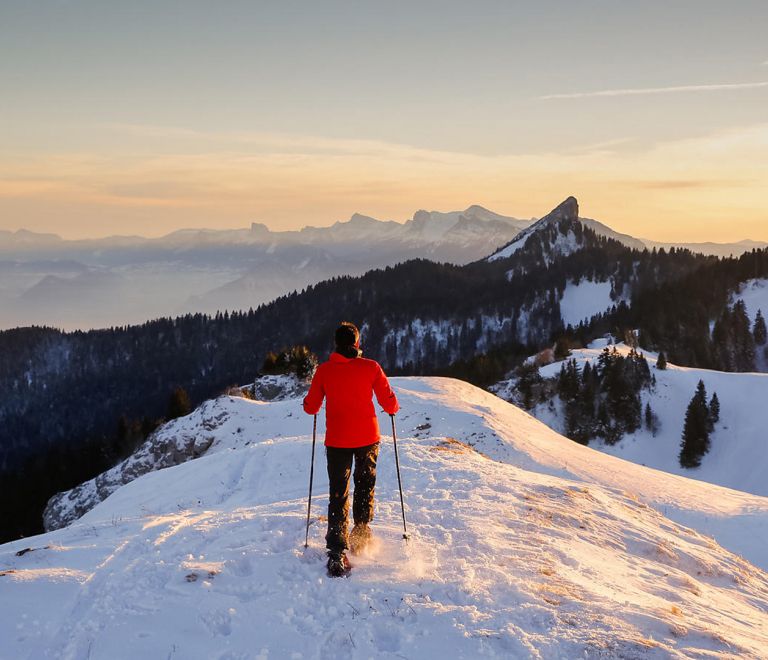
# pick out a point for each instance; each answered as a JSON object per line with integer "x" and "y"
{"x": 279, "y": 388}
{"x": 181, "y": 440}
{"x": 166, "y": 447}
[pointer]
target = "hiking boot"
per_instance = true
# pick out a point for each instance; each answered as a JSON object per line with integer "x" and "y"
{"x": 360, "y": 538}
{"x": 338, "y": 565}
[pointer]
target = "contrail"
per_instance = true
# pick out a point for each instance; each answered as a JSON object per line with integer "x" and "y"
{"x": 655, "y": 90}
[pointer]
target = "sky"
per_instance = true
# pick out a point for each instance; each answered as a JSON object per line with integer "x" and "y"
{"x": 146, "y": 117}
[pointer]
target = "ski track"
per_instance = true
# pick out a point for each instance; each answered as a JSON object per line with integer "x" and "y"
{"x": 206, "y": 560}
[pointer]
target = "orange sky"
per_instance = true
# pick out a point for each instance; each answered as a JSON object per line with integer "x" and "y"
{"x": 708, "y": 188}
{"x": 134, "y": 118}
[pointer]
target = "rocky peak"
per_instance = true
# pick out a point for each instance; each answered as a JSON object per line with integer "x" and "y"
{"x": 568, "y": 210}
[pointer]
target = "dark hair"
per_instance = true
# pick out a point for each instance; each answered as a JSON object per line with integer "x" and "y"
{"x": 347, "y": 335}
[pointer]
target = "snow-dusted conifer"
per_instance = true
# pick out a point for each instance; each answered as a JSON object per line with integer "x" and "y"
{"x": 714, "y": 409}
{"x": 696, "y": 429}
{"x": 759, "y": 329}
{"x": 651, "y": 420}
{"x": 661, "y": 363}
{"x": 742, "y": 340}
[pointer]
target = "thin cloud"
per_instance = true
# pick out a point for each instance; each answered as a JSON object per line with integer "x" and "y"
{"x": 672, "y": 184}
{"x": 655, "y": 90}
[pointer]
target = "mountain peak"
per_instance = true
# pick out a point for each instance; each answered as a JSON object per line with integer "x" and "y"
{"x": 568, "y": 210}
{"x": 360, "y": 219}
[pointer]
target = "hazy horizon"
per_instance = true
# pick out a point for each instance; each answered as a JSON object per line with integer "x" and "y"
{"x": 64, "y": 237}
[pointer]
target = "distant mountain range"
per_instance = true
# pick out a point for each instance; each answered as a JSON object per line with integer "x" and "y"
{"x": 121, "y": 280}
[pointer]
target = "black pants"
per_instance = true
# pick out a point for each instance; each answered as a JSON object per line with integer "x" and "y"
{"x": 339, "y": 470}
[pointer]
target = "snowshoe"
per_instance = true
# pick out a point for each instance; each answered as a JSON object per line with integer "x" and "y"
{"x": 360, "y": 538}
{"x": 339, "y": 566}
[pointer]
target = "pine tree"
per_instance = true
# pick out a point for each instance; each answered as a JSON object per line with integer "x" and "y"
{"x": 529, "y": 377}
{"x": 562, "y": 351}
{"x": 743, "y": 340}
{"x": 304, "y": 362}
{"x": 569, "y": 381}
{"x": 721, "y": 342}
{"x": 714, "y": 409}
{"x": 661, "y": 363}
{"x": 759, "y": 330}
{"x": 178, "y": 405}
{"x": 648, "y": 416}
{"x": 270, "y": 363}
{"x": 652, "y": 422}
{"x": 696, "y": 429}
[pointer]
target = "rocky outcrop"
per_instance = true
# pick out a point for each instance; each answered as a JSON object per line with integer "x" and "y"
{"x": 176, "y": 442}
{"x": 279, "y": 388}
{"x": 172, "y": 444}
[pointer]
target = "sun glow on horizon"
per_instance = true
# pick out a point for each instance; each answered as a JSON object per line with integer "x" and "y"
{"x": 701, "y": 189}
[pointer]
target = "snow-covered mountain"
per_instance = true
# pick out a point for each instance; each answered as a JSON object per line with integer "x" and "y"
{"x": 565, "y": 241}
{"x": 560, "y": 221}
{"x": 201, "y": 270}
{"x": 524, "y": 545}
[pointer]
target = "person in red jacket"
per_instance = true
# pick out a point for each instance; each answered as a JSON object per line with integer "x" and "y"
{"x": 348, "y": 382}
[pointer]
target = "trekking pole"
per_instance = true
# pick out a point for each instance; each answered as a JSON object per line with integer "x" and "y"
{"x": 406, "y": 535}
{"x": 311, "y": 475}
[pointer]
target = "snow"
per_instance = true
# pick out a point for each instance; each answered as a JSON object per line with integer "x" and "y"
{"x": 754, "y": 293}
{"x": 517, "y": 243}
{"x": 738, "y": 456}
{"x": 524, "y": 545}
{"x": 582, "y": 301}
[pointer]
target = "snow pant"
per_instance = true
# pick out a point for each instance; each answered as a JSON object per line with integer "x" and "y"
{"x": 339, "y": 469}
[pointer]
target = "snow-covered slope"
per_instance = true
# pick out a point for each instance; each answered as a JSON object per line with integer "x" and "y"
{"x": 580, "y": 302}
{"x": 738, "y": 456}
{"x": 524, "y": 546}
{"x": 754, "y": 293}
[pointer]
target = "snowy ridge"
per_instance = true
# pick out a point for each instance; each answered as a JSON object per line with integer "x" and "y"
{"x": 176, "y": 442}
{"x": 535, "y": 548}
{"x": 565, "y": 243}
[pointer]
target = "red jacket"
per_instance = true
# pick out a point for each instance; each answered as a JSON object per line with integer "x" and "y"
{"x": 348, "y": 386}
